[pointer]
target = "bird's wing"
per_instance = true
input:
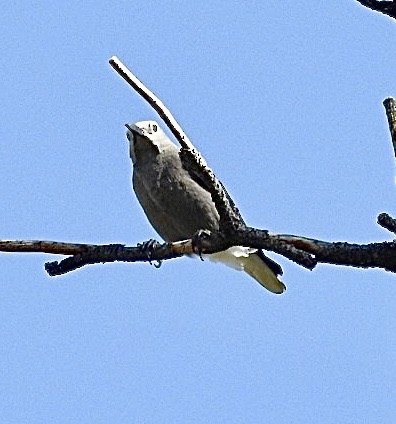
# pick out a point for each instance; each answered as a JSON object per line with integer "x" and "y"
{"x": 275, "y": 267}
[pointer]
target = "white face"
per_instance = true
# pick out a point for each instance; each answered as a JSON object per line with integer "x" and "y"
{"x": 148, "y": 127}
{"x": 148, "y": 130}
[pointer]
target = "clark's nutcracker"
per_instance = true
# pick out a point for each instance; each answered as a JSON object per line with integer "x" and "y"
{"x": 177, "y": 206}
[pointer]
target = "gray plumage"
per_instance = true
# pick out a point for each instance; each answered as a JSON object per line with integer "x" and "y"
{"x": 177, "y": 206}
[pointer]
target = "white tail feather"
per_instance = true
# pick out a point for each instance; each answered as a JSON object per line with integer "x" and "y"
{"x": 245, "y": 259}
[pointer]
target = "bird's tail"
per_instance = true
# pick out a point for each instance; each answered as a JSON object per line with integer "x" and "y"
{"x": 250, "y": 261}
{"x": 260, "y": 271}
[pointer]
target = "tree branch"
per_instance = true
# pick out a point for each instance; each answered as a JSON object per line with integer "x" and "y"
{"x": 387, "y": 7}
{"x": 153, "y": 101}
{"x": 390, "y": 109}
{"x": 302, "y": 250}
{"x": 387, "y": 222}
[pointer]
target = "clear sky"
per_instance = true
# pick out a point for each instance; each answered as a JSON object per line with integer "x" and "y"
{"x": 284, "y": 99}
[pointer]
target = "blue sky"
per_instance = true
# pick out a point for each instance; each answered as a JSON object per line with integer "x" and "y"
{"x": 284, "y": 100}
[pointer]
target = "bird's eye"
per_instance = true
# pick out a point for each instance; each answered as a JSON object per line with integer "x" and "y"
{"x": 155, "y": 128}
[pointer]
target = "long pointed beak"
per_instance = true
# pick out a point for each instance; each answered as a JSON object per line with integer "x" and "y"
{"x": 129, "y": 127}
{"x": 135, "y": 129}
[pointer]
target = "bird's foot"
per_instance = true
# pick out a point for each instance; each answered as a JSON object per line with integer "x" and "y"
{"x": 198, "y": 241}
{"x": 148, "y": 247}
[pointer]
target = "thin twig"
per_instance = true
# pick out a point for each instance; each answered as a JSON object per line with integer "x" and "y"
{"x": 153, "y": 101}
{"x": 42, "y": 246}
{"x": 390, "y": 108}
{"x": 387, "y": 222}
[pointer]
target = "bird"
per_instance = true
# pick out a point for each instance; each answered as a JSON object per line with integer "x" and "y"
{"x": 177, "y": 205}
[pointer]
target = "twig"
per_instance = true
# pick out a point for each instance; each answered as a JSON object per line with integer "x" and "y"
{"x": 119, "y": 252}
{"x": 390, "y": 108}
{"x": 387, "y": 222}
{"x": 38, "y": 246}
{"x": 373, "y": 255}
{"x": 153, "y": 101}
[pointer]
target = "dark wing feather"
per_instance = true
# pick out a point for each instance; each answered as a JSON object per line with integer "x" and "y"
{"x": 274, "y": 266}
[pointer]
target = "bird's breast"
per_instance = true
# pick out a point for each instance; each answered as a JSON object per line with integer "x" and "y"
{"x": 174, "y": 203}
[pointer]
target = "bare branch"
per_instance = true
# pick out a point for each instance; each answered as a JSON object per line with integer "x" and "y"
{"x": 387, "y": 7}
{"x": 373, "y": 255}
{"x": 305, "y": 251}
{"x": 38, "y": 246}
{"x": 84, "y": 254}
{"x": 390, "y": 108}
{"x": 119, "y": 252}
{"x": 153, "y": 101}
{"x": 387, "y": 222}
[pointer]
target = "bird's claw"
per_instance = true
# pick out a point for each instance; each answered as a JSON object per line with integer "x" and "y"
{"x": 197, "y": 241}
{"x": 148, "y": 247}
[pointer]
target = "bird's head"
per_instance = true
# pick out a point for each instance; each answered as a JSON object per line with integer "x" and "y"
{"x": 145, "y": 138}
